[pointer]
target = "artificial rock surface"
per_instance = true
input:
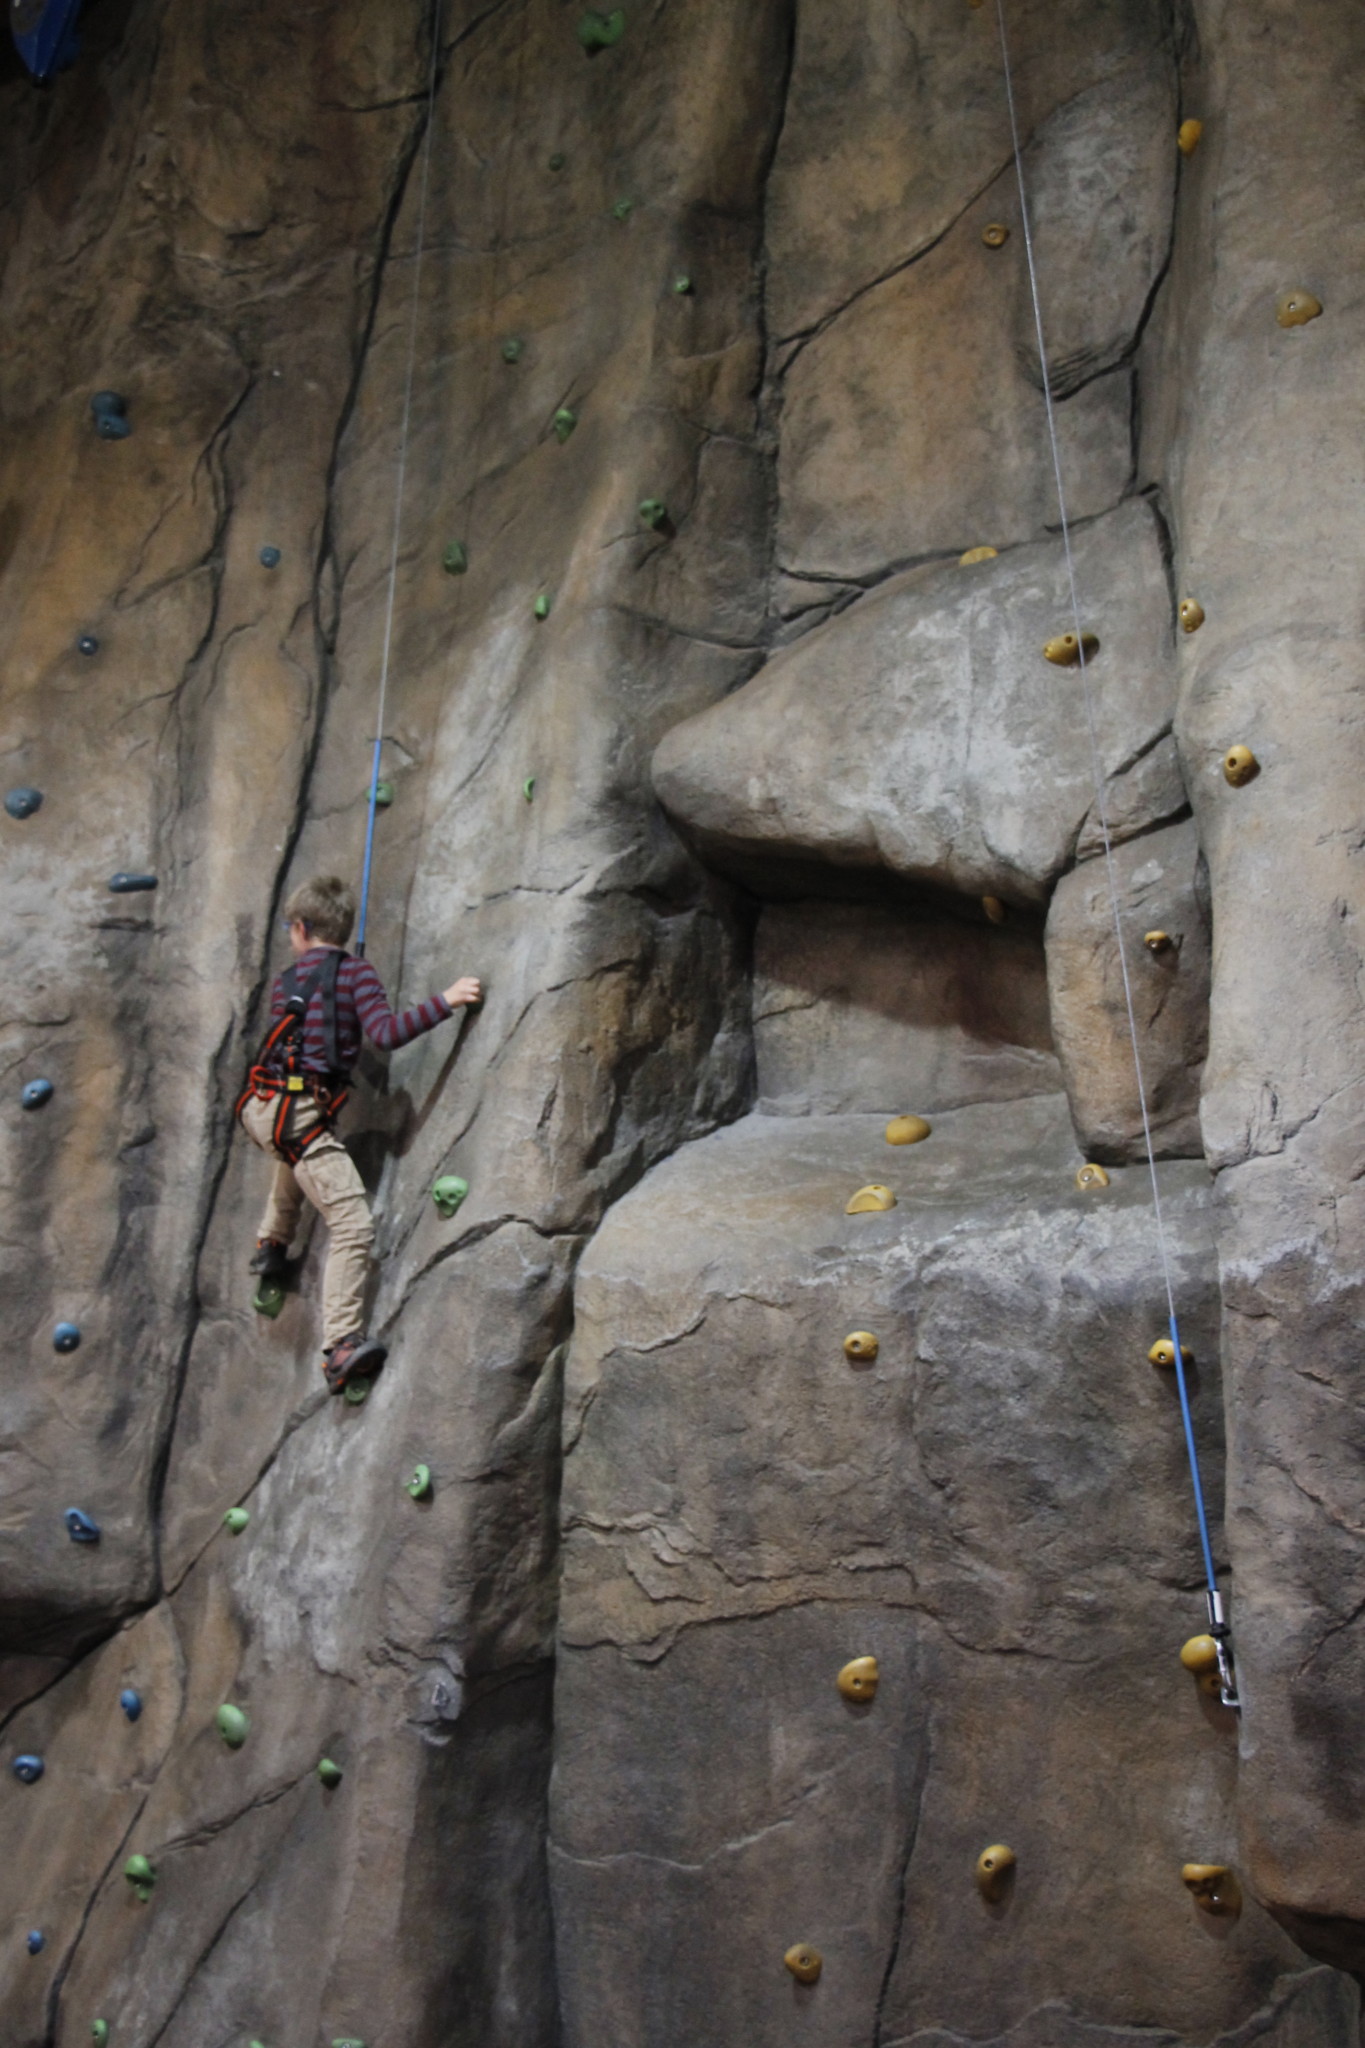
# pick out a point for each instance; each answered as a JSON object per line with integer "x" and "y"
{"x": 215, "y": 212}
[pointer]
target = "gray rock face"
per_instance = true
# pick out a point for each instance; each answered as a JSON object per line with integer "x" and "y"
{"x": 1158, "y": 887}
{"x": 922, "y": 731}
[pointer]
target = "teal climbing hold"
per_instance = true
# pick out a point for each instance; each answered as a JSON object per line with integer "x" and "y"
{"x": 623, "y": 209}
{"x": 99, "y": 2032}
{"x": 87, "y": 644}
{"x": 357, "y": 1392}
{"x": 654, "y": 512}
{"x": 235, "y": 1520}
{"x": 455, "y": 560}
{"x": 130, "y": 885}
{"x": 140, "y": 1876}
{"x": 37, "y": 1941}
{"x": 542, "y": 605}
{"x": 448, "y": 1193}
{"x": 383, "y": 795}
{"x": 269, "y": 557}
{"x": 268, "y": 1299}
{"x": 22, "y": 803}
{"x": 566, "y": 419}
{"x": 419, "y": 1486}
{"x": 528, "y": 788}
{"x": 513, "y": 349}
{"x": 110, "y": 411}
{"x": 233, "y": 1725}
{"x": 331, "y": 1774}
{"x": 599, "y": 31}
{"x": 682, "y": 284}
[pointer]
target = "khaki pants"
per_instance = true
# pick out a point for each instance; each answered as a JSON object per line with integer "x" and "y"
{"x": 326, "y": 1175}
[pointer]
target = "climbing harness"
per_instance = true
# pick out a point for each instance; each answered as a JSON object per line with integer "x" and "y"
{"x": 1218, "y": 1623}
{"x": 279, "y": 1070}
{"x": 400, "y": 483}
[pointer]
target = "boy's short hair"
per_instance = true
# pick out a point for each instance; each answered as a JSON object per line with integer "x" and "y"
{"x": 325, "y": 906}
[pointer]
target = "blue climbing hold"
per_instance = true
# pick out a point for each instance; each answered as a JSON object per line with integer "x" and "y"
{"x": 129, "y": 885}
{"x": 131, "y": 1703}
{"x": 28, "y": 1769}
{"x": 111, "y": 416}
{"x": 35, "y": 1094}
{"x": 22, "y": 803}
{"x": 66, "y": 1337}
{"x": 270, "y": 558}
{"x": 80, "y": 1527}
{"x": 45, "y": 35}
{"x": 87, "y": 644}
{"x": 37, "y": 1941}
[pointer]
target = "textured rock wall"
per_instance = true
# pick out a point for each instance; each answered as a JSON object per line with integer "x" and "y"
{"x": 597, "y": 1776}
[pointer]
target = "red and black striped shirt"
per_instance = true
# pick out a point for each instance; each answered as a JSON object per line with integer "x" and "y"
{"x": 362, "y": 1006}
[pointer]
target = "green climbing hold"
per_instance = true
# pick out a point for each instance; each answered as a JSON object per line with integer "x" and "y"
{"x": 233, "y": 1726}
{"x": 682, "y": 284}
{"x": 558, "y": 161}
{"x": 348, "y": 2042}
{"x": 383, "y": 795}
{"x": 653, "y": 511}
{"x": 455, "y": 560}
{"x": 419, "y": 1486}
{"x": 330, "y": 1773}
{"x": 541, "y": 607}
{"x": 99, "y": 2030}
{"x": 235, "y": 1520}
{"x": 448, "y": 1193}
{"x": 598, "y": 31}
{"x": 268, "y": 1299}
{"x": 528, "y": 788}
{"x": 623, "y": 209}
{"x": 512, "y": 348}
{"x": 566, "y": 419}
{"x": 357, "y": 1392}
{"x": 140, "y": 1876}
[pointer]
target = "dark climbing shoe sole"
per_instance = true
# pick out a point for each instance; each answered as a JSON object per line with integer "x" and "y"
{"x": 270, "y": 1261}
{"x": 361, "y": 1363}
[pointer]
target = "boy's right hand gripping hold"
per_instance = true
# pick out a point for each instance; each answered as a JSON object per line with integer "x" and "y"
{"x": 464, "y": 993}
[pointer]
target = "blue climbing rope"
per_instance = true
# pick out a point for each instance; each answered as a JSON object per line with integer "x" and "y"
{"x": 400, "y": 483}
{"x": 1218, "y": 1626}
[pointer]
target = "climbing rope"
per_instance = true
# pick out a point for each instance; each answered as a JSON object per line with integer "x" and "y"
{"x": 401, "y": 480}
{"x": 1218, "y": 1626}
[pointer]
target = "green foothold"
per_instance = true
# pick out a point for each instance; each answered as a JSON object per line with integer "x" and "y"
{"x": 528, "y": 788}
{"x": 455, "y": 560}
{"x": 419, "y": 1486}
{"x": 542, "y": 605}
{"x": 330, "y": 1773}
{"x": 599, "y": 31}
{"x": 557, "y": 161}
{"x": 623, "y": 209}
{"x": 512, "y": 348}
{"x": 348, "y": 2043}
{"x": 235, "y": 1520}
{"x": 268, "y": 1299}
{"x": 682, "y": 284}
{"x": 383, "y": 795}
{"x": 566, "y": 419}
{"x": 233, "y": 1726}
{"x": 99, "y": 2030}
{"x": 448, "y": 1193}
{"x": 140, "y": 1876}
{"x": 653, "y": 511}
{"x": 357, "y": 1392}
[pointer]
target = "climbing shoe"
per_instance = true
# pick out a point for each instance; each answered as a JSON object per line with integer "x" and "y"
{"x": 355, "y": 1357}
{"x": 270, "y": 1259}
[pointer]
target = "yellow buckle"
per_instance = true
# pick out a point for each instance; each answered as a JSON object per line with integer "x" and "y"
{"x": 294, "y": 1084}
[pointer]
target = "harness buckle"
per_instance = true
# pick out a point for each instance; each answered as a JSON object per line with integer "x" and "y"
{"x": 294, "y": 1084}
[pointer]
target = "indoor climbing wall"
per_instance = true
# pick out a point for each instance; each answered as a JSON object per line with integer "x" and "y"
{"x": 749, "y": 1606}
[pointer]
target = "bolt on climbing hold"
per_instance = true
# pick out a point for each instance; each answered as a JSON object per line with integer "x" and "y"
{"x": 331, "y": 1774}
{"x": 1296, "y": 309}
{"x": 994, "y": 909}
{"x": 235, "y": 1520}
{"x": 653, "y": 511}
{"x": 528, "y": 788}
{"x": 448, "y": 1193}
{"x": 861, "y": 1346}
{"x": 558, "y": 160}
{"x": 1065, "y": 651}
{"x": 1187, "y": 137}
{"x": 66, "y": 1337}
{"x": 598, "y": 31}
{"x": 975, "y": 555}
{"x": 873, "y": 1196}
{"x": 995, "y": 234}
{"x": 269, "y": 557}
{"x": 682, "y": 285}
{"x": 110, "y": 411}
{"x": 804, "y": 1962}
{"x": 22, "y": 803}
{"x": 542, "y": 605}
{"x": 99, "y": 2032}
{"x": 1214, "y": 1888}
{"x": 858, "y": 1680}
{"x": 80, "y": 1527}
{"x": 908, "y": 1130}
{"x": 1091, "y": 1176}
{"x": 356, "y": 1392}
{"x": 130, "y": 884}
{"x": 993, "y": 1867}
{"x": 140, "y": 1876}
{"x": 455, "y": 560}
{"x": 269, "y": 1297}
{"x": 383, "y": 795}
{"x": 233, "y": 1725}
{"x": 419, "y": 1486}
{"x": 1157, "y": 942}
{"x": 37, "y": 1941}
{"x": 35, "y": 1094}
{"x": 87, "y": 644}
{"x": 131, "y": 1703}
{"x": 513, "y": 349}
{"x": 1162, "y": 1353}
{"x": 28, "y": 1769}
{"x": 623, "y": 209}
{"x": 1191, "y": 615}
{"x": 565, "y": 420}
{"x": 1200, "y": 1657}
{"x": 1240, "y": 766}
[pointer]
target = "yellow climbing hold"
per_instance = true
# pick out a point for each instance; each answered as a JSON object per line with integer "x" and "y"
{"x": 1240, "y": 766}
{"x": 995, "y": 234}
{"x": 994, "y": 909}
{"x": 1162, "y": 1353}
{"x": 1187, "y": 136}
{"x": 858, "y": 1680}
{"x": 1157, "y": 942}
{"x": 861, "y": 1345}
{"x": 1066, "y": 650}
{"x": 975, "y": 555}
{"x": 1296, "y": 309}
{"x": 804, "y": 1962}
{"x": 1091, "y": 1176}
{"x": 873, "y": 1196}
{"x": 1215, "y": 1889}
{"x": 907, "y": 1130}
{"x": 993, "y": 1867}
{"x": 1191, "y": 615}
{"x": 1200, "y": 1656}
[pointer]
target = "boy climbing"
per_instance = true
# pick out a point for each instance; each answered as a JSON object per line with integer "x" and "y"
{"x": 319, "y": 1009}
